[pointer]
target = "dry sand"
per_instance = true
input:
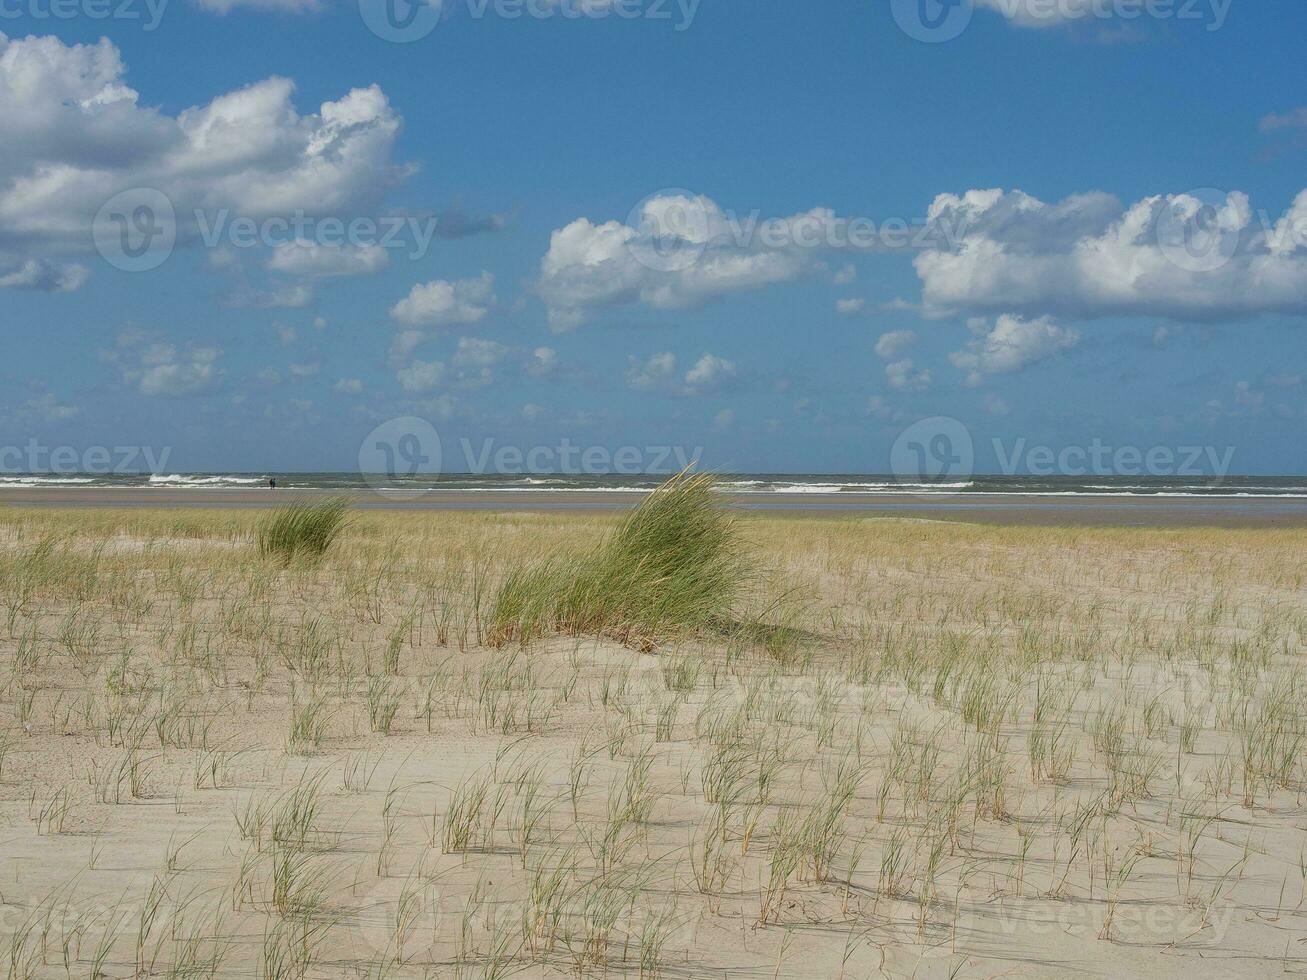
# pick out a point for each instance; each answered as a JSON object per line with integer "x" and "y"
{"x": 1007, "y": 509}
{"x": 990, "y": 751}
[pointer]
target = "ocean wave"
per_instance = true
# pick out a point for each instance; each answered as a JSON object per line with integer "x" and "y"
{"x": 852, "y": 488}
{"x": 753, "y": 487}
{"x": 45, "y": 481}
{"x": 177, "y": 480}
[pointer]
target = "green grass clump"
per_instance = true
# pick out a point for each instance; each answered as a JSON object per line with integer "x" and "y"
{"x": 302, "y": 530}
{"x": 676, "y": 564}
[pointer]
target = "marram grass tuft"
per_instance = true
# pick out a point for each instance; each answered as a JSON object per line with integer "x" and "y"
{"x": 674, "y": 565}
{"x": 303, "y": 530}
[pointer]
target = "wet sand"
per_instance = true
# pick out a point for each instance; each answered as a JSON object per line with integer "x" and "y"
{"x": 1086, "y": 511}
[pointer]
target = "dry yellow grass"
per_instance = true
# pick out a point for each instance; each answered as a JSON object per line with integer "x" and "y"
{"x": 929, "y": 749}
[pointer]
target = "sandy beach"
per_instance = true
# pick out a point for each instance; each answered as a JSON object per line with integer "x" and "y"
{"x": 1050, "y": 510}
{"x": 918, "y": 749}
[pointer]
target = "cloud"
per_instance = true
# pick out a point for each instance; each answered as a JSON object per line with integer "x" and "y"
{"x": 46, "y": 409}
{"x": 479, "y": 353}
{"x": 903, "y": 376}
{"x": 1182, "y": 256}
{"x": 879, "y": 408}
{"x": 651, "y": 374}
{"x": 1246, "y": 396}
{"x": 162, "y": 369}
{"x": 724, "y": 420}
{"x": 349, "y": 386}
{"x": 901, "y": 373}
{"x": 1123, "y": 16}
{"x": 441, "y": 303}
{"x": 1041, "y": 13}
{"x": 454, "y": 223}
{"x": 76, "y": 135}
{"x": 41, "y": 275}
{"x": 1294, "y": 119}
{"x": 1283, "y": 380}
{"x": 306, "y": 258}
{"x": 263, "y": 6}
{"x": 1012, "y": 345}
{"x": 710, "y": 373}
{"x": 850, "y": 307}
{"x": 421, "y": 376}
{"x": 285, "y": 297}
{"x": 543, "y": 362}
{"x": 891, "y": 344}
{"x": 442, "y": 407}
{"x": 473, "y": 364}
{"x": 404, "y": 343}
{"x": 684, "y": 253}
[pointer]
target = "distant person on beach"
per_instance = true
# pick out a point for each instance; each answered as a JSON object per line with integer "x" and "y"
{"x": 272, "y": 484}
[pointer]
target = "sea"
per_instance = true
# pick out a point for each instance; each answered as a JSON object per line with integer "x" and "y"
{"x": 741, "y": 483}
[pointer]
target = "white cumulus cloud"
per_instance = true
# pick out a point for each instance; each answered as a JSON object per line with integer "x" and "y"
{"x": 1012, "y": 344}
{"x": 162, "y": 369}
{"x": 903, "y": 376}
{"x": 307, "y": 258}
{"x": 710, "y": 373}
{"x": 891, "y": 344}
{"x": 1180, "y": 256}
{"x": 681, "y": 253}
{"x": 442, "y": 303}
{"x": 421, "y": 376}
{"x": 76, "y": 134}
{"x": 650, "y": 374}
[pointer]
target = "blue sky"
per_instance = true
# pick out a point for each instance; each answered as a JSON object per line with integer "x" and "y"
{"x": 1116, "y": 250}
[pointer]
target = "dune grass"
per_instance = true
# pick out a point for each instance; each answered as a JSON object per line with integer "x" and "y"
{"x": 302, "y": 530}
{"x": 675, "y": 565}
{"x": 1075, "y": 748}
